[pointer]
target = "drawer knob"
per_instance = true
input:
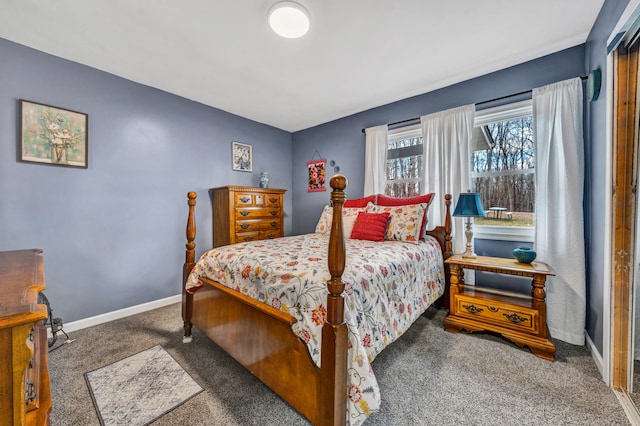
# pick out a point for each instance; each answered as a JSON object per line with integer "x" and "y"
{"x": 271, "y": 236}
{"x": 248, "y": 238}
{"x": 273, "y": 200}
{"x": 274, "y": 224}
{"x": 244, "y": 213}
{"x": 515, "y": 318}
{"x": 473, "y": 309}
{"x": 245, "y": 199}
{"x": 244, "y": 225}
{"x": 274, "y": 212}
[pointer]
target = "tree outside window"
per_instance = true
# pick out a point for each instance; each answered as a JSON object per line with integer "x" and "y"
{"x": 504, "y": 173}
{"x": 404, "y": 167}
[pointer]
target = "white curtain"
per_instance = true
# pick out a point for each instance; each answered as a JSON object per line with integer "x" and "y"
{"x": 557, "y": 114}
{"x": 375, "y": 166}
{"x": 447, "y": 162}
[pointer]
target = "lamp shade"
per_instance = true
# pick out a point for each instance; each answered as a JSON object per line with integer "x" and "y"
{"x": 469, "y": 205}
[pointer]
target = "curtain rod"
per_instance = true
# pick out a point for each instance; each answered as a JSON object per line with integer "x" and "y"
{"x": 583, "y": 77}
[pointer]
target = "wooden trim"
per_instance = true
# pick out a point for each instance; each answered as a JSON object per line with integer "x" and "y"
{"x": 623, "y": 210}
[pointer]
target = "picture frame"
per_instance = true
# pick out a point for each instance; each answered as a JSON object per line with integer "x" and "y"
{"x": 53, "y": 135}
{"x": 316, "y": 172}
{"x": 241, "y": 157}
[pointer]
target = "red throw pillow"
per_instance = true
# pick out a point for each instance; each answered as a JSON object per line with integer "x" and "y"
{"x": 385, "y": 200}
{"x": 360, "y": 202}
{"x": 370, "y": 226}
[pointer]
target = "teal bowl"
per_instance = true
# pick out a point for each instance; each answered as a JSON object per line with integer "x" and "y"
{"x": 524, "y": 254}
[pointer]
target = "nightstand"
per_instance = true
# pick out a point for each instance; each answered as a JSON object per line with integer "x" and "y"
{"x": 518, "y": 317}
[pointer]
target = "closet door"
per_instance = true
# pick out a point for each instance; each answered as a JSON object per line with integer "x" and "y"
{"x": 624, "y": 210}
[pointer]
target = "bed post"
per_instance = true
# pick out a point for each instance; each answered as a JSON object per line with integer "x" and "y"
{"x": 447, "y": 250}
{"x": 189, "y": 262}
{"x": 442, "y": 233}
{"x": 333, "y": 375}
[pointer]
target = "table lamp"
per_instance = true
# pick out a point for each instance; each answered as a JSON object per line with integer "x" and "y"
{"x": 469, "y": 206}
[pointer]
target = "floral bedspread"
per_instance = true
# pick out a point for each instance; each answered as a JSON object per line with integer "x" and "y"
{"x": 387, "y": 286}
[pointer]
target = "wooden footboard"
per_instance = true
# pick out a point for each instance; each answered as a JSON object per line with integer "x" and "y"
{"x": 260, "y": 338}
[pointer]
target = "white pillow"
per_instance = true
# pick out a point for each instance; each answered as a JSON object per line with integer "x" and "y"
{"x": 349, "y": 216}
{"x": 404, "y": 221}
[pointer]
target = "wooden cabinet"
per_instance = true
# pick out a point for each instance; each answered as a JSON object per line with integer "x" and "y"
{"x": 25, "y": 396}
{"x": 517, "y": 317}
{"x": 243, "y": 213}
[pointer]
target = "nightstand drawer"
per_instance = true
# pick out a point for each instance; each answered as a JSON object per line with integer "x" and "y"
{"x": 497, "y": 313}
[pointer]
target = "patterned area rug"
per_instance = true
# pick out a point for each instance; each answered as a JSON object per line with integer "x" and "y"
{"x": 137, "y": 390}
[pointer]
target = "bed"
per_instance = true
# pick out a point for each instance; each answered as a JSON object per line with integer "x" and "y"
{"x": 262, "y": 302}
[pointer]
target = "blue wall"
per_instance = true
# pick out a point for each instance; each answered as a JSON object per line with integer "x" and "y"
{"x": 343, "y": 140}
{"x": 113, "y": 234}
{"x": 595, "y": 167}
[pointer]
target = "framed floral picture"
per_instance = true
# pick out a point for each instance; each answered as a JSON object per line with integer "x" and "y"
{"x": 242, "y": 159}
{"x": 53, "y": 135}
{"x": 316, "y": 175}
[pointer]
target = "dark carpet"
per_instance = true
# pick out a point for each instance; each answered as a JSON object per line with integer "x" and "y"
{"x": 427, "y": 377}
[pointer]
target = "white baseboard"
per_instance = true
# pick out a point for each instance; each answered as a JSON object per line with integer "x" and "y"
{"x": 629, "y": 407}
{"x": 597, "y": 358}
{"x": 121, "y": 313}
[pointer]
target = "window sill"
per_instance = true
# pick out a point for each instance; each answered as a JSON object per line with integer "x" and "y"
{"x": 504, "y": 233}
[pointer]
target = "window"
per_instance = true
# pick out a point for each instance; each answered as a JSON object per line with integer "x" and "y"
{"x": 404, "y": 162}
{"x": 503, "y": 170}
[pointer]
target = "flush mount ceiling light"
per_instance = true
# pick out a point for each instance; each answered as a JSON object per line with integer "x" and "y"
{"x": 289, "y": 19}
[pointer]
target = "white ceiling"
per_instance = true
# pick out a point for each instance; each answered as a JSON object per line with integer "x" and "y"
{"x": 359, "y": 54}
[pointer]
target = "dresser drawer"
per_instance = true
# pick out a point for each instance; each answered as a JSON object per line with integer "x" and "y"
{"x": 258, "y": 225}
{"x": 497, "y": 313}
{"x": 243, "y": 237}
{"x": 253, "y": 212}
{"x": 271, "y": 200}
{"x": 248, "y": 199}
{"x": 271, "y": 234}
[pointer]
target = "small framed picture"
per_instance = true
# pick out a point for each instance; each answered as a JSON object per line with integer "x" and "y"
{"x": 316, "y": 169}
{"x": 242, "y": 158}
{"x": 53, "y": 135}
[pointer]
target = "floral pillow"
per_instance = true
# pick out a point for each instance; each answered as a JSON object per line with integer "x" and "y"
{"x": 405, "y": 222}
{"x": 349, "y": 216}
{"x": 385, "y": 200}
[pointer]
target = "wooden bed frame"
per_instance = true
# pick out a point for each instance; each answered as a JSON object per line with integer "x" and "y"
{"x": 259, "y": 336}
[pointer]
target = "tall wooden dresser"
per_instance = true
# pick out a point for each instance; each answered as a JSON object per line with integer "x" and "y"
{"x": 244, "y": 213}
{"x": 25, "y": 395}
